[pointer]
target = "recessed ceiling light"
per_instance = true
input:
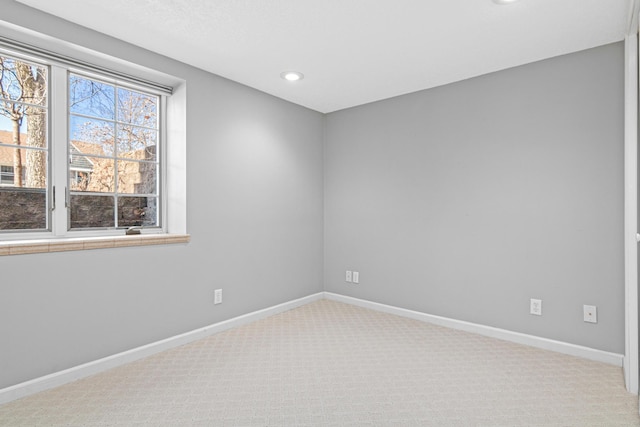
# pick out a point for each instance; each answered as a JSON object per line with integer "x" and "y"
{"x": 504, "y": 1}
{"x": 292, "y": 76}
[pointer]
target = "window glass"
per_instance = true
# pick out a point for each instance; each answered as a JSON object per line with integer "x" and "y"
{"x": 24, "y": 146}
{"x": 113, "y": 155}
{"x": 108, "y": 131}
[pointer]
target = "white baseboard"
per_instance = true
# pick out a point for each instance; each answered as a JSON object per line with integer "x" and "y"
{"x": 91, "y": 368}
{"x": 85, "y": 370}
{"x": 502, "y": 334}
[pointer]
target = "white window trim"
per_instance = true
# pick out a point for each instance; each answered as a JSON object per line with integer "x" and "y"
{"x": 173, "y": 156}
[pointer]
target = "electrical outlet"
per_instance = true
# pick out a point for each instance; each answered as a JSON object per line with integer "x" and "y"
{"x": 356, "y": 277}
{"x": 348, "y": 276}
{"x": 217, "y": 296}
{"x": 536, "y": 307}
{"x": 590, "y": 313}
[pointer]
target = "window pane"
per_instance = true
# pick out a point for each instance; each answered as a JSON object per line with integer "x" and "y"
{"x": 23, "y": 168}
{"x": 112, "y": 149}
{"x": 23, "y": 194}
{"x": 23, "y": 182}
{"x": 23, "y": 208}
{"x": 79, "y": 180}
{"x": 91, "y": 98}
{"x": 92, "y": 136}
{"x": 88, "y": 211}
{"x": 91, "y": 174}
{"x": 31, "y": 126}
{"x": 137, "y": 211}
{"x": 24, "y": 162}
{"x": 136, "y": 108}
{"x": 136, "y": 177}
{"x": 23, "y": 82}
{"x": 137, "y": 143}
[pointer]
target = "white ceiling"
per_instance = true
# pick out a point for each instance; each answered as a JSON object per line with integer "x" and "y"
{"x": 351, "y": 51}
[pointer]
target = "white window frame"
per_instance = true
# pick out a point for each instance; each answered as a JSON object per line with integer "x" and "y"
{"x": 58, "y": 174}
{"x": 25, "y": 233}
{"x": 161, "y": 227}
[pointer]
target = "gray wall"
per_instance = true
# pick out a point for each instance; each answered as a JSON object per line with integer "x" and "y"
{"x": 462, "y": 201}
{"x": 467, "y": 200}
{"x": 254, "y": 174}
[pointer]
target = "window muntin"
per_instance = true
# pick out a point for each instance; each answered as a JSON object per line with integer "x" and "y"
{"x": 24, "y": 146}
{"x": 114, "y": 131}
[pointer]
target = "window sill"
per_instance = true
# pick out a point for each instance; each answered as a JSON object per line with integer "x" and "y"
{"x": 88, "y": 243}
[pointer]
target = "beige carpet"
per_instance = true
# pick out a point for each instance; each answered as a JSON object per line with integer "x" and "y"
{"x": 332, "y": 364}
